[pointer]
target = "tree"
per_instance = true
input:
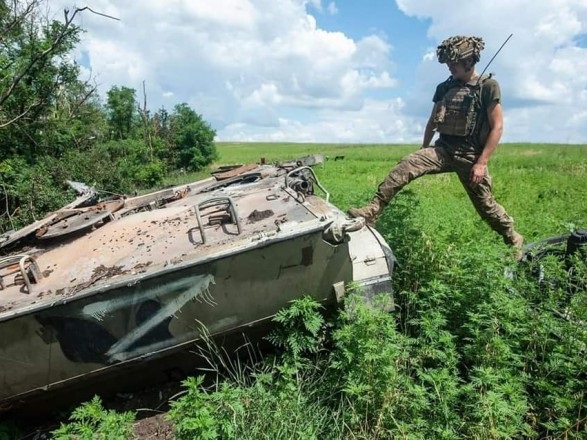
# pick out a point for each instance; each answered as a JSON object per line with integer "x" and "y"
{"x": 121, "y": 106}
{"x": 39, "y": 87}
{"x": 53, "y": 126}
{"x": 46, "y": 111}
{"x": 192, "y": 139}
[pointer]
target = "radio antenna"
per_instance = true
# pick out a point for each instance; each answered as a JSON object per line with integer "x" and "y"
{"x": 496, "y": 53}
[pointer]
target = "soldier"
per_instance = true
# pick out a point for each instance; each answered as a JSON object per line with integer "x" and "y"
{"x": 468, "y": 116}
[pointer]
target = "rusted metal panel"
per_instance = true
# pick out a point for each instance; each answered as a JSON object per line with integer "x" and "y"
{"x": 233, "y": 172}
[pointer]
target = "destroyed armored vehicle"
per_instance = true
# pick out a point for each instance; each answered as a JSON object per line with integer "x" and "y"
{"x": 105, "y": 284}
{"x": 570, "y": 249}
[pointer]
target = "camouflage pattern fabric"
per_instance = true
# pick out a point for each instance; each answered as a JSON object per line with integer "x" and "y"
{"x": 457, "y": 113}
{"x": 435, "y": 160}
{"x": 475, "y": 142}
{"x": 458, "y": 48}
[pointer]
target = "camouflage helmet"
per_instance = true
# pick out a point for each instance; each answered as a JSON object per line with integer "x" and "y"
{"x": 459, "y": 48}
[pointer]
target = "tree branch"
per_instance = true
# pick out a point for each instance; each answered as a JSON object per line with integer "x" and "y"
{"x": 16, "y": 118}
{"x": 78, "y": 104}
{"x": 17, "y": 19}
{"x": 44, "y": 54}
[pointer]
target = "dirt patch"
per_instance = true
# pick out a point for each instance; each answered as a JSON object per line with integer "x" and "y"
{"x": 153, "y": 427}
{"x": 150, "y": 405}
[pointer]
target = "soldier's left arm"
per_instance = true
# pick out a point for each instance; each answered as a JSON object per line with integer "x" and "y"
{"x": 495, "y": 117}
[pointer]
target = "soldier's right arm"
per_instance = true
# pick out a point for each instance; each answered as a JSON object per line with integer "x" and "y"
{"x": 429, "y": 130}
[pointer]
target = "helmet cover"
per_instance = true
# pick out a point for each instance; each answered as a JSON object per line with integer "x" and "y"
{"x": 459, "y": 48}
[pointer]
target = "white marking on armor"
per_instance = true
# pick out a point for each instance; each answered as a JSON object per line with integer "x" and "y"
{"x": 196, "y": 286}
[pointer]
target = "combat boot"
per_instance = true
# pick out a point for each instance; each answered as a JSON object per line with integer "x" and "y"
{"x": 516, "y": 241}
{"x": 369, "y": 212}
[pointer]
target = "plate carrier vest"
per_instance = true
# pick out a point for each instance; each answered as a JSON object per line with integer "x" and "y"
{"x": 459, "y": 107}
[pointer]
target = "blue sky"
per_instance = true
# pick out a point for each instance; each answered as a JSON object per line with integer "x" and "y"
{"x": 345, "y": 71}
{"x": 407, "y": 35}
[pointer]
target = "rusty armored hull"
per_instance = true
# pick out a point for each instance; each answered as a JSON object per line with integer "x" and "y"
{"x": 101, "y": 284}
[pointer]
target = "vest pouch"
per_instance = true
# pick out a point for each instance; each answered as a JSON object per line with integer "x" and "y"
{"x": 456, "y": 114}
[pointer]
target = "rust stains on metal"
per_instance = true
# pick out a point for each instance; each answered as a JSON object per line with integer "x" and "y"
{"x": 102, "y": 271}
{"x": 223, "y": 173}
{"x": 142, "y": 266}
{"x": 256, "y": 215}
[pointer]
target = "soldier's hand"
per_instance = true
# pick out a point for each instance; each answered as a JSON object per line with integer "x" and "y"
{"x": 478, "y": 172}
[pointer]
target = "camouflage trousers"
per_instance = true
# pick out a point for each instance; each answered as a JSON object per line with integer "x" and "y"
{"x": 434, "y": 160}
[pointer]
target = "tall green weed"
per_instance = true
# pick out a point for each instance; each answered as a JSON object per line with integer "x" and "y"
{"x": 90, "y": 421}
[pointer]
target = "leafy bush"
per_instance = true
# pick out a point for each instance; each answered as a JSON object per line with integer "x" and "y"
{"x": 151, "y": 174}
{"x": 265, "y": 410}
{"x": 375, "y": 383}
{"x": 91, "y": 421}
{"x": 278, "y": 398}
{"x": 554, "y": 348}
{"x": 298, "y": 328}
{"x": 28, "y": 192}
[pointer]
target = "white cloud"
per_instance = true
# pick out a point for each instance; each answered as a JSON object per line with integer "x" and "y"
{"x": 231, "y": 58}
{"x": 264, "y": 69}
{"x": 377, "y": 121}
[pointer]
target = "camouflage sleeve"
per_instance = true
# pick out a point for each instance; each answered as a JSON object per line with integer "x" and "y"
{"x": 490, "y": 93}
